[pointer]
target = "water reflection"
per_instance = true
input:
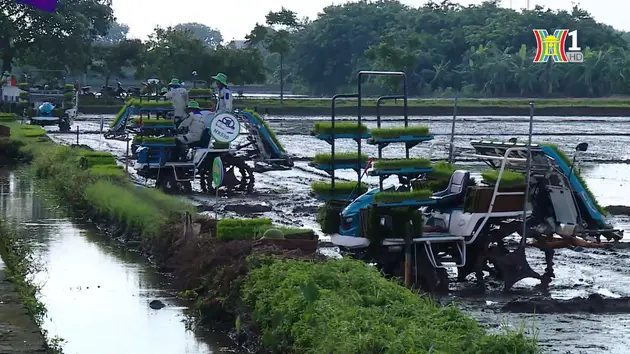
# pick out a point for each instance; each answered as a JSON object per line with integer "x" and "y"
{"x": 97, "y": 296}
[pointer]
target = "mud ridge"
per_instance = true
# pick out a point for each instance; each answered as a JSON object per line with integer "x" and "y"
{"x": 618, "y": 210}
{"x": 594, "y": 303}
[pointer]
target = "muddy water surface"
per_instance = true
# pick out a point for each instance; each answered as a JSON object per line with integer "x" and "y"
{"x": 98, "y": 296}
{"x": 578, "y": 272}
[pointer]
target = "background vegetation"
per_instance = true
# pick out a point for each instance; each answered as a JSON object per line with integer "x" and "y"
{"x": 479, "y": 50}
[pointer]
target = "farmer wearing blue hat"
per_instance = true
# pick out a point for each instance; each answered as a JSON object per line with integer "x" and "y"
{"x": 179, "y": 97}
{"x": 224, "y": 96}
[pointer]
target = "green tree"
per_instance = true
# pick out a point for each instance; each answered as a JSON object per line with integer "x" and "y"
{"x": 26, "y": 30}
{"x": 209, "y": 36}
{"x": 116, "y": 33}
{"x": 112, "y": 58}
{"x": 276, "y": 37}
{"x": 177, "y": 53}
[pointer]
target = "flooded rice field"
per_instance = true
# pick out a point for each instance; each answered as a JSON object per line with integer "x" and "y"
{"x": 97, "y": 295}
{"x": 283, "y": 196}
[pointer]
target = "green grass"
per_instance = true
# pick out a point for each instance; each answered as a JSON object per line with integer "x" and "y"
{"x": 104, "y": 189}
{"x": 32, "y": 131}
{"x": 326, "y": 159}
{"x": 89, "y": 158}
{"x": 341, "y": 188}
{"x": 127, "y": 208}
{"x": 395, "y": 197}
{"x": 108, "y": 171}
{"x": 325, "y": 127}
{"x": 401, "y": 163}
{"x": 240, "y": 229}
{"x": 568, "y": 161}
{"x": 271, "y": 132}
{"x": 8, "y": 117}
{"x": 347, "y": 306}
{"x": 509, "y": 178}
{"x": 396, "y": 132}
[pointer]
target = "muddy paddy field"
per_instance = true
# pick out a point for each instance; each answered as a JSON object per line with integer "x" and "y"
{"x": 284, "y": 197}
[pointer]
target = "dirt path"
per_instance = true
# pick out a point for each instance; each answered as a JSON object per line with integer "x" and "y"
{"x": 18, "y": 331}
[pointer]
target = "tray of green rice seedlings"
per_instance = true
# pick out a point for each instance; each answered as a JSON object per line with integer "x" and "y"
{"x": 240, "y": 229}
{"x": 422, "y": 195}
{"x": 508, "y": 179}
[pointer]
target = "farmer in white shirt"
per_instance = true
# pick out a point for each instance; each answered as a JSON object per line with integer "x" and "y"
{"x": 224, "y": 95}
{"x": 179, "y": 97}
{"x": 191, "y": 129}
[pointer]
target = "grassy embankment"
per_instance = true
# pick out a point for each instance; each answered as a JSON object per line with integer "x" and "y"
{"x": 293, "y": 302}
{"x": 20, "y": 265}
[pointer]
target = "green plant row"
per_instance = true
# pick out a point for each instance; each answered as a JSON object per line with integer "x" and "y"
{"x": 150, "y": 122}
{"x": 165, "y": 104}
{"x": 271, "y": 132}
{"x": 347, "y": 306}
{"x": 401, "y": 163}
{"x": 341, "y": 188}
{"x": 325, "y": 127}
{"x": 249, "y": 229}
{"x": 340, "y": 157}
{"x": 568, "y": 161}
{"x": 154, "y": 140}
{"x": 32, "y": 131}
{"x": 8, "y": 117}
{"x": 396, "y": 197}
{"x": 508, "y": 179}
{"x": 383, "y": 133}
{"x": 240, "y": 229}
{"x": 107, "y": 171}
{"x": 200, "y": 92}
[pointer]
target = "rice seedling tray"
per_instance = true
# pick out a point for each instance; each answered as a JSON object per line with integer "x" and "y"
{"x": 403, "y": 199}
{"x": 343, "y": 190}
{"x": 508, "y": 179}
{"x": 410, "y": 135}
{"x": 401, "y": 167}
{"x": 342, "y": 130}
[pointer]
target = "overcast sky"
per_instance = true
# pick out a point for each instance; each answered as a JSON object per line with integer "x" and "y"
{"x": 236, "y": 18}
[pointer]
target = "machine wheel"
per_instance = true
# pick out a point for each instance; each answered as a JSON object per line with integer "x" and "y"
{"x": 166, "y": 182}
{"x": 169, "y": 185}
{"x": 238, "y": 176}
{"x": 427, "y": 277}
{"x": 64, "y": 125}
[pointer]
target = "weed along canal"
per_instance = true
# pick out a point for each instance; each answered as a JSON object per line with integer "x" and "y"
{"x": 98, "y": 296}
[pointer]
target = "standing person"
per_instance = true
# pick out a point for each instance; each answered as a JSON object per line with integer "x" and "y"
{"x": 179, "y": 97}
{"x": 224, "y": 96}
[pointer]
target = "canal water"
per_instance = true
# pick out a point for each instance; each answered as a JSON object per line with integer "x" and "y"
{"x": 97, "y": 295}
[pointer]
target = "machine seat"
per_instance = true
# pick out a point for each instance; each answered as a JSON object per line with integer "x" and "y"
{"x": 455, "y": 193}
{"x": 204, "y": 142}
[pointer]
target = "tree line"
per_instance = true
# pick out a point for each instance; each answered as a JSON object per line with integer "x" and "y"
{"x": 479, "y": 50}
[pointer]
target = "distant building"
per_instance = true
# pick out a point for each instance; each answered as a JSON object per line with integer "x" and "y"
{"x": 238, "y": 44}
